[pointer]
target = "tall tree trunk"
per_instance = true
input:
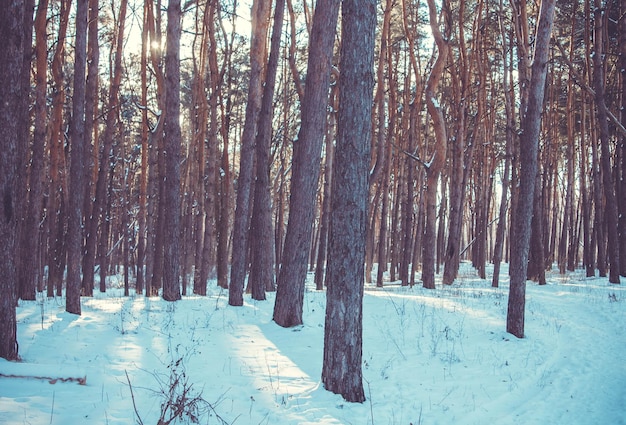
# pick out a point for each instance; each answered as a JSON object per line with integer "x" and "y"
{"x": 100, "y": 217}
{"x": 154, "y": 241}
{"x": 31, "y": 270}
{"x": 380, "y": 99}
{"x": 91, "y": 135}
{"x": 564, "y": 257}
{"x": 171, "y": 196}
{"x": 379, "y": 177}
{"x": 586, "y": 202}
{"x": 598, "y": 207}
{"x": 343, "y": 339}
{"x": 605, "y": 155}
{"x": 457, "y": 155}
{"x": 326, "y": 200}
{"x": 12, "y": 105}
{"x": 621, "y": 172}
{"x": 207, "y": 260}
{"x": 536, "y": 269}
{"x": 258, "y": 52}
{"x": 508, "y": 107}
{"x": 408, "y": 208}
{"x": 529, "y": 143}
{"x": 58, "y": 174}
{"x": 140, "y": 282}
{"x": 261, "y": 232}
{"x": 407, "y": 268}
{"x": 212, "y": 155}
{"x": 438, "y": 158}
{"x": 77, "y": 159}
{"x": 24, "y": 150}
{"x": 223, "y": 234}
{"x": 306, "y": 166}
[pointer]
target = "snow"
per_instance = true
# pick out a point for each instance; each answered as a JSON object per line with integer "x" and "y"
{"x": 429, "y": 357}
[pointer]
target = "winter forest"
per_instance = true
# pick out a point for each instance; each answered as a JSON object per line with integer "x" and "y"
{"x": 313, "y": 167}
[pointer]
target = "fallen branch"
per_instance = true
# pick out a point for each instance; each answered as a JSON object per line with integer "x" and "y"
{"x": 132, "y": 395}
{"x": 51, "y": 380}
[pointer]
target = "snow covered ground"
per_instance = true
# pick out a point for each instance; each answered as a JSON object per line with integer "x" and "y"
{"x": 429, "y": 357}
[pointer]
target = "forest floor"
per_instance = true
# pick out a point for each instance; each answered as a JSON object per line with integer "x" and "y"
{"x": 429, "y": 357}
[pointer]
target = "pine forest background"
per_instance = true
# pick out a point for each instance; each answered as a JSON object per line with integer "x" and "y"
{"x": 135, "y": 197}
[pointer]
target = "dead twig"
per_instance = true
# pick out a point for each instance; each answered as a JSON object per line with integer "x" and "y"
{"x": 132, "y": 396}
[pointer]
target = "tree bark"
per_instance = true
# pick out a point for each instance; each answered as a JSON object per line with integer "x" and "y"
{"x": 91, "y": 154}
{"x": 11, "y": 106}
{"x": 171, "y": 127}
{"x": 438, "y": 158}
{"x": 258, "y": 51}
{"x": 536, "y": 270}
{"x": 621, "y": 165}
{"x": 261, "y": 231}
{"x": 225, "y": 185}
{"x": 586, "y": 202}
{"x": 457, "y": 163}
{"x": 206, "y": 261}
{"x": 529, "y": 142}
{"x": 140, "y": 282}
{"x": 306, "y": 167}
{"x": 100, "y": 218}
{"x": 341, "y": 370}
{"x": 565, "y": 255}
{"x": 31, "y": 271}
{"x": 58, "y": 174}
{"x": 329, "y": 156}
{"x": 154, "y": 240}
{"x": 24, "y": 151}
{"x": 605, "y": 155}
{"x": 506, "y": 180}
{"x": 77, "y": 159}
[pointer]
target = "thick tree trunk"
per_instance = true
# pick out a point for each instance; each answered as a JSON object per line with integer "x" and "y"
{"x": 343, "y": 339}
{"x": 621, "y": 165}
{"x": 91, "y": 135}
{"x": 605, "y": 155}
{"x": 11, "y": 106}
{"x": 156, "y": 158}
{"x": 24, "y": 150}
{"x": 171, "y": 196}
{"x": 258, "y": 51}
{"x": 306, "y": 167}
{"x": 199, "y": 113}
{"x": 31, "y": 270}
{"x": 77, "y": 159}
{"x": 262, "y": 233}
{"x": 529, "y": 142}
{"x": 438, "y": 158}
{"x": 58, "y": 186}
{"x": 206, "y": 261}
